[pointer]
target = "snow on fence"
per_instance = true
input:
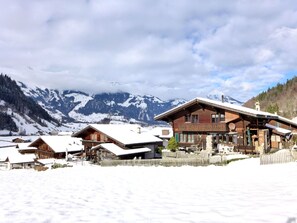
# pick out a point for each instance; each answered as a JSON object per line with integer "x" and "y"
{"x": 157, "y": 162}
{"x": 179, "y": 158}
{"x": 282, "y": 156}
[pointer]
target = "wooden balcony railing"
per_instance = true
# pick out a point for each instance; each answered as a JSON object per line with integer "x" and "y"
{"x": 203, "y": 127}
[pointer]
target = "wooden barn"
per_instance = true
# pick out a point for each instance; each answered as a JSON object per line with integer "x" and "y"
{"x": 204, "y": 124}
{"x": 117, "y": 141}
{"x": 56, "y": 146}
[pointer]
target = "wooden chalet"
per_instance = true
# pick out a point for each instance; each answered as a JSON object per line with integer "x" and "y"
{"x": 204, "y": 124}
{"x": 56, "y": 146}
{"x": 112, "y": 141}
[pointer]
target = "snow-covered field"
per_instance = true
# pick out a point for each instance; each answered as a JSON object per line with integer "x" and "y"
{"x": 243, "y": 191}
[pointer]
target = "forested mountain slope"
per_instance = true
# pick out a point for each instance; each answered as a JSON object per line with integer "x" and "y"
{"x": 14, "y": 105}
{"x": 281, "y": 99}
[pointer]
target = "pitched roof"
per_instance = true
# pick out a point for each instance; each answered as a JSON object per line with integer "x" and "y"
{"x": 26, "y": 158}
{"x": 226, "y": 106}
{"x": 12, "y": 154}
{"x": 61, "y": 143}
{"x": 118, "y": 151}
{"x": 124, "y": 134}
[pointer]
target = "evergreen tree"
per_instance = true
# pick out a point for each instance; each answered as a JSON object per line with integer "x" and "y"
{"x": 172, "y": 144}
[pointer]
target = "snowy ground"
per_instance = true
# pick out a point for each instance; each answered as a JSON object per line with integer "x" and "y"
{"x": 243, "y": 191}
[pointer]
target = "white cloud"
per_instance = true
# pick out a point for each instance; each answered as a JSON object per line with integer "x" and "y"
{"x": 167, "y": 48}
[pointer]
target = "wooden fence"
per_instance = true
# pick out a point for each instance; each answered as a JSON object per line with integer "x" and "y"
{"x": 282, "y": 156}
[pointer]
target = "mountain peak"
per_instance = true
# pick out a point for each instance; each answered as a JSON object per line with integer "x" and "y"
{"x": 225, "y": 98}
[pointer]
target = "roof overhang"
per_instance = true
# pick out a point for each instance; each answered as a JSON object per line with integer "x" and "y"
{"x": 278, "y": 130}
{"x": 217, "y": 104}
{"x": 118, "y": 151}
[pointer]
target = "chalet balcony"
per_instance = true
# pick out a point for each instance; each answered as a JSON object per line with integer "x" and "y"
{"x": 203, "y": 127}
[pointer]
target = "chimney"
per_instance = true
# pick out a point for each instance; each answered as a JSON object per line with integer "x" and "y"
{"x": 257, "y": 106}
{"x": 223, "y": 98}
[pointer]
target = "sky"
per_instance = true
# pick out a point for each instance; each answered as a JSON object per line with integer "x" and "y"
{"x": 166, "y": 48}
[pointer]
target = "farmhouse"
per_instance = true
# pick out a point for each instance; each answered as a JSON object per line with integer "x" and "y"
{"x": 207, "y": 124}
{"x": 57, "y": 147}
{"x": 117, "y": 141}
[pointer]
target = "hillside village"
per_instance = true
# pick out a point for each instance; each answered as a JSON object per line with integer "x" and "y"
{"x": 203, "y": 130}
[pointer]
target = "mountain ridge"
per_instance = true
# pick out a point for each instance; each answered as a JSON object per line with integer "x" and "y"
{"x": 73, "y": 105}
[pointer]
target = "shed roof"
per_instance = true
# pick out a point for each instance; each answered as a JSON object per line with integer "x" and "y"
{"x": 124, "y": 134}
{"x": 118, "y": 151}
{"x": 279, "y": 130}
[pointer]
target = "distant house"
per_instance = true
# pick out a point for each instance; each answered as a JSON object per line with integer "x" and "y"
{"x": 20, "y": 140}
{"x": 56, "y": 146}
{"x": 102, "y": 141}
{"x": 10, "y": 158}
{"x": 206, "y": 123}
{"x": 162, "y": 132}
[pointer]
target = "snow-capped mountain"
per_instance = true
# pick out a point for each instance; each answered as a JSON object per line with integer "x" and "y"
{"x": 225, "y": 98}
{"x": 20, "y": 114}
{"x": 78, "y": 106}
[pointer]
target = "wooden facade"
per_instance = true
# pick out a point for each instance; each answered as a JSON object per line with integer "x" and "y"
{"x": 56, "y": 147}
{"x": 205, "y": 124}
{"x": 44, "y": 151}
{"x": 92, "y": 137}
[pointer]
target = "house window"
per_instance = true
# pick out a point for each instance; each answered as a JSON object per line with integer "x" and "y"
{"x": 187, "y": 137}
{"x": 215, "y": 118}
{"x": 188, "y": 118}
{"x": 181, "y": 136}
{"x": 165, "y": 132}
{"x": 195, "y": 119}
{"x": 184, "y": 137}
{"x": 191, "y": 138}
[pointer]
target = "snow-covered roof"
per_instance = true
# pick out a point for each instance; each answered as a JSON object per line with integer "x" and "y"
{"x": 161, "y": 132}
{"x": 6, "y": 144}
{"x": 61, "y": 143}
{"x": 124, "y": 134}
{"x": 227, "y": 106}
{"x": 118, "y": 151}
{"x": 25, "y": 146}
{"x": 26, "y": 158}
{"x": 12, "y": 154}
{"x": 279, "y": 130}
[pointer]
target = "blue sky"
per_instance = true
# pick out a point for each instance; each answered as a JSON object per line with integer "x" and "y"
{"x": 166, "y": 48}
